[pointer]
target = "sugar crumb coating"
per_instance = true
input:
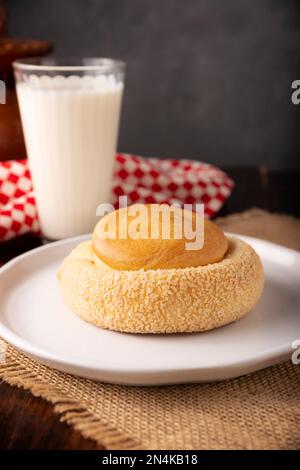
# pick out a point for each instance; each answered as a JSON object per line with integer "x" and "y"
{"x": 162, "y": 300}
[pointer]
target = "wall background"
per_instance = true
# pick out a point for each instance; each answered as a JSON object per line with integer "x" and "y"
{"x": 206, "y": 79}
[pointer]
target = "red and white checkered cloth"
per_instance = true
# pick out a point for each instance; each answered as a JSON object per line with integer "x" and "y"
{"x": 148, "y": 180}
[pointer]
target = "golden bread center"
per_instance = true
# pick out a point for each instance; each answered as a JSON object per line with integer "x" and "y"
{"x": 145, "y": 252}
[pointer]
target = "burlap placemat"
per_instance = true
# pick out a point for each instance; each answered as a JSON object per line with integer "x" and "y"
{"x": 258, "y": 411}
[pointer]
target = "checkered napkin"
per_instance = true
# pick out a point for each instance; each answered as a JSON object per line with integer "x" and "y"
{"x": 144, "y": 180}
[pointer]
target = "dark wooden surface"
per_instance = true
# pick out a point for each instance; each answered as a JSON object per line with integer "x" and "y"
{"x": 27, "y": 422}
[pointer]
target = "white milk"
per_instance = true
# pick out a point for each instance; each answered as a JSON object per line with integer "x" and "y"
{"x": 70, "y": 126}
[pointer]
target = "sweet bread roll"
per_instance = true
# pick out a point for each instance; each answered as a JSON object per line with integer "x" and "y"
{"x": 106, "y": 285}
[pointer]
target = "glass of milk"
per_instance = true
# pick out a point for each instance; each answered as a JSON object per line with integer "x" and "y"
{"x": 70, "y": 112}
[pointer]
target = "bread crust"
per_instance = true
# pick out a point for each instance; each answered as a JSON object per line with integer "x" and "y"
{"x": 162, "y": 300}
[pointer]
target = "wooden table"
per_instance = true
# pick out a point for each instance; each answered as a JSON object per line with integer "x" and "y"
{"x": 27, "y": 422}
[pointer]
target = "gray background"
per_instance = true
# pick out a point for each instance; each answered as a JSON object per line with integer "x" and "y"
{"x": 206, "y": 79}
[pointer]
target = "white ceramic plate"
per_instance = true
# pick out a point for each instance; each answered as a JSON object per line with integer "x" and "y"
{"x": 34, "y": 319}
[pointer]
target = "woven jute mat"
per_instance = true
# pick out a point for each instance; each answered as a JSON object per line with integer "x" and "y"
{"x": 257, "y": 411}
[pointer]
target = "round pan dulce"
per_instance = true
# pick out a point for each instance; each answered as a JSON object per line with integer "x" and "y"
{"x": 106, "y": 286}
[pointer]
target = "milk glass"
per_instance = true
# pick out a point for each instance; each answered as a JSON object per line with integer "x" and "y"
{"x": 70, "y": 112}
